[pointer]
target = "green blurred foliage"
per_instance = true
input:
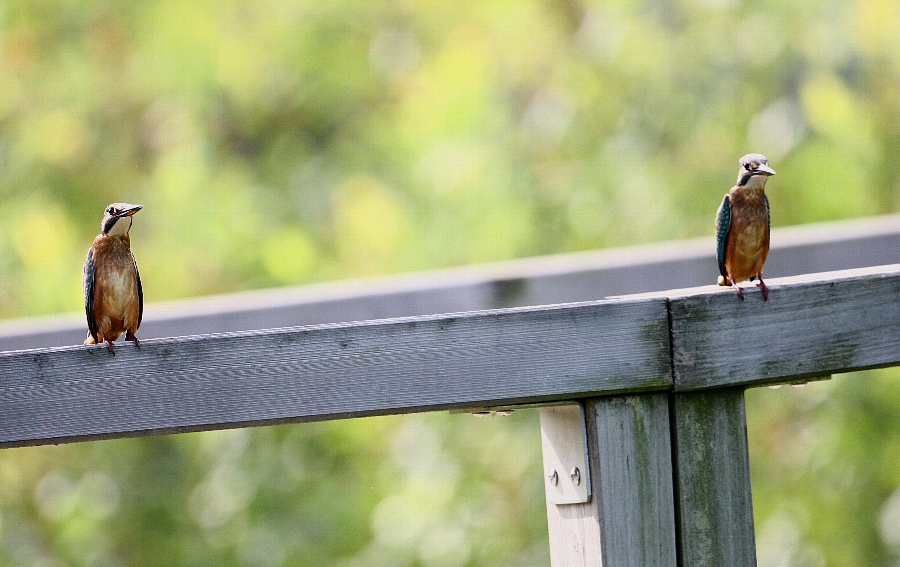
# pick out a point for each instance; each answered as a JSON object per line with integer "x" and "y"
{"x": 826, "y": 481}
{"x": 422, "y": 490}
{"x": 279, "y": 142}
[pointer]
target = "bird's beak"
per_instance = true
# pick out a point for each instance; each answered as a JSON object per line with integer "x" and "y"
{"x": 764, "y": 170}
{"x": 131, "y": 209}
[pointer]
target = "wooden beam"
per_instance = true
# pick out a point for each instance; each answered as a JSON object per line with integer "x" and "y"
{"x": 334, "y": 371}
{"x": 630, "y": 520}
{"x": 631, "y": 469}
{"x": 712, "y": 479}
{"x": 561, "y": 278}
{"x": 811, "y": 326}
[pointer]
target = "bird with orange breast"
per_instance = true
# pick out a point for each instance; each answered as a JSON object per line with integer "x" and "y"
{"x": 742, "y": 226}
{"x": 113, "y": 297}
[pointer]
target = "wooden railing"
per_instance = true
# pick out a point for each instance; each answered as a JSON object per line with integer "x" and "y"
{"x": 642, "y": 396}
{"x": 691, "y": 441}
{"x": 562, "y": 278}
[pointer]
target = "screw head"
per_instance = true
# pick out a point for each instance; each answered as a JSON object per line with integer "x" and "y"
{"x": 553, "y": 477}
{"x": 575, "y": 475}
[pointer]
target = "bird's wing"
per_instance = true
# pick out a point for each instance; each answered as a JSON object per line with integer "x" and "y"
{"x": 140, "y": 290}
{"x": 723, "y": 223}
{"x": 88, "y": 278}
{"x": 768, "y": 218}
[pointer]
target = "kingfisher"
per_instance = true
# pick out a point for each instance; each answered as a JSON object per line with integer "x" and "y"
{"x": 742, "y": 226}
{"x": 113, "y": 297}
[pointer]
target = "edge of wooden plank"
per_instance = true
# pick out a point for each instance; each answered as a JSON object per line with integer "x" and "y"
{"x": 331, "y": 371}
{"x": 530, "y": 281}
{"x": 811, "y": 326}
{"x": 751, "y": 291}
{"x": 714, "y": 503}
{"x": 629, "y": 439}
{"x": 630, "y": 519}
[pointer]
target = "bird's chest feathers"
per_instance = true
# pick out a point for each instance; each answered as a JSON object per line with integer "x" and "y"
{"x": 115, "y": 276}
{"x": 749, "y": 234}
{"x": 750, "y": 221}
{"x": 117, "y": 284}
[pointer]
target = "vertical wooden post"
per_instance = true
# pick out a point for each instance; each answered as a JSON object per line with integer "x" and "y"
{"x": 630, "y": 519}
{"x": 712, "y": 472}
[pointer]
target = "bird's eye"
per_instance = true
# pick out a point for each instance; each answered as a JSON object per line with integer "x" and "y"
{"x": 747, "y": 166}
{"x": 111, "y": 211}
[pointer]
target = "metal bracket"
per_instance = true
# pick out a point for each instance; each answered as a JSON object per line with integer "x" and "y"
{"x": 567, "y": 476}
{"x": 508, "y": 408}
{"x": 801, "y": 383}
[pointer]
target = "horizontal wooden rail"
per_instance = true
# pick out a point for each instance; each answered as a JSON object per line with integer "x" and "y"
{"x": 810, "y": 326}
{"x": 562, "y": 278}
{"x": 333, "y": 371}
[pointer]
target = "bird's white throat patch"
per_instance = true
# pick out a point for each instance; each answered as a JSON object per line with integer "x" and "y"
{"x": 121, "y": 226}
{"x": 756, "y": 182}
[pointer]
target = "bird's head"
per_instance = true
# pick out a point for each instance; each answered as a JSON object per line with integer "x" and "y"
{"x": 754, "y": 171}
{"x": 117, "y": 218}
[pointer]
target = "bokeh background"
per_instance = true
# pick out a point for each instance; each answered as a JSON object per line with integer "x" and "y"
{"x": 278, "y": 142}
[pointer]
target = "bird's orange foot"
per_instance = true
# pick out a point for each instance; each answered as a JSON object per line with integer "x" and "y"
{"x": 129, "y": 336}
{"x": 101, "y": 339}
{"x": 765, "y": 288}
{"x": 729, "y": 281}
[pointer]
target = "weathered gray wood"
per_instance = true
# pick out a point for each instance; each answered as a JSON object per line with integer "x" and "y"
{"x": 811, "y": 326}
{"x": 561, "y": 278}
{"x": 630, "y": 521}
{"x": 631, "y": 476}
{"x": 334, "y": 371}
{"x": 712, "y": 472}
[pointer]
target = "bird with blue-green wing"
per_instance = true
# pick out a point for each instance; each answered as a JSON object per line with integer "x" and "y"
{"x": 743, "y": 225}
{"x": 113, "y": 296}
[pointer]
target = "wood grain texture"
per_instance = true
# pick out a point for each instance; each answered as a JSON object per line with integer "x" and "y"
{"x": 811, "y": 326}
{"x": 712, "y": 472}
{"x": 630, "y": 520}
{"x": 574, "y": 531}
{"x": 334, "y": 371}
{"x": 631, "y": 470}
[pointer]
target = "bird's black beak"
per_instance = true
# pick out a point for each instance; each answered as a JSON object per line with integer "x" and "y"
{"x": 131, "y": 209}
